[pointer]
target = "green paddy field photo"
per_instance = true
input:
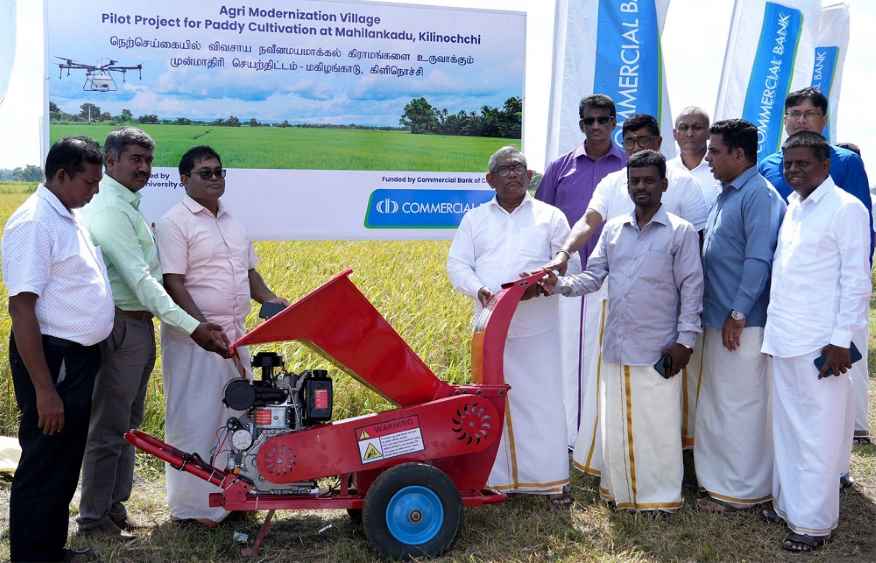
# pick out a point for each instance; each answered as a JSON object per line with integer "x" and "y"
{"x": 310, "y": 148}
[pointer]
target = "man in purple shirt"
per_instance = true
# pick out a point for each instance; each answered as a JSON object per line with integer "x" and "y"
{"x": 568, "y": 184}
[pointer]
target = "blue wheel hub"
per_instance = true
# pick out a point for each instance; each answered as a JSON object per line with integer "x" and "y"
{"x": 414, "y": 515}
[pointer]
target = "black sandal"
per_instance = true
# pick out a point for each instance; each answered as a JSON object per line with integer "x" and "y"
{"x": 771, "y": 516}
{"x": 802, "y": 543}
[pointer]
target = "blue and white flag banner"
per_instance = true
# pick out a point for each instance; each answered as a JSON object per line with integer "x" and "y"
{"x": 608, "y": 47}
{"x": 831, "y": 46}
{"x": 770, "y": 52}
{"x": 7, "y": 44}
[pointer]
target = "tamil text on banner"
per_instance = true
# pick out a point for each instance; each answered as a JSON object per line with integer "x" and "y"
{"x": 769, "y": 53}
{"x": 831, "y": 45}
{"x": 336, "y": 120}
{"x": 607, "y": 47}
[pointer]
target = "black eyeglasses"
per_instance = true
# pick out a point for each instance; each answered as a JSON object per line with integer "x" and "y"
{"x": 602, "y": 120}
{"x": 206, "y": 173}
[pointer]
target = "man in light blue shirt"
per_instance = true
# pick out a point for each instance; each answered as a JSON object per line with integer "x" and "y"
{"x": 733, "y": 446}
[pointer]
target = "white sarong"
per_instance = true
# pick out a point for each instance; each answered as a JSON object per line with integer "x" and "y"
{"x": 733, "y": 453}
{"x": 533, "y": 456}
{"x": 570, "y": 323}
{"x": 642, "y": 464}
{"x": 194, "y": 380}
{"x": 860, "y": 374}
{"x": 691, "y": 380}
{"x": 587, "y": 453}
{"x": 810, "y": 443}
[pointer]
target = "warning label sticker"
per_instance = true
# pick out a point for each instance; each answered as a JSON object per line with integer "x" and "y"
{"x": 389, "y": 439}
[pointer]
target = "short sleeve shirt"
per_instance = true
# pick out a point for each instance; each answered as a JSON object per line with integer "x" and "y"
{"x": 47, "y": 252}
{"x": 215, "y": 255}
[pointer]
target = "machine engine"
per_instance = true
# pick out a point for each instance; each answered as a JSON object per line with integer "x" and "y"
{"x": 276, "y": 404}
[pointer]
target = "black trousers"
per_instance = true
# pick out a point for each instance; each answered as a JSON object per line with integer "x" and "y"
{"x": 45, "y": 481}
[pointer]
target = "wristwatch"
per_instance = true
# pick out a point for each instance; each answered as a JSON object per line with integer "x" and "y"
{"x": 737, "y": 316}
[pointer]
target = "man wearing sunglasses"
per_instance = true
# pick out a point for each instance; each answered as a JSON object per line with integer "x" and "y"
{"x": 568, "y": 184}
{"x": 209, "y": 270}
{"x": 121, "y": 232}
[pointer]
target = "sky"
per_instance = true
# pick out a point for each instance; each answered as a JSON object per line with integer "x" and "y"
{"x": 694, "y": 41}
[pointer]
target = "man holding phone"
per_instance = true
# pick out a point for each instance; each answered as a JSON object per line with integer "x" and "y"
{"x": 209, "y": 270}
{"x": 818, "y": 300}
{"x": 655, "y": 295}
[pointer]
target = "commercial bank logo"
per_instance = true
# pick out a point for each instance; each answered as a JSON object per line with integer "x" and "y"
{"x": 421, "y": 209}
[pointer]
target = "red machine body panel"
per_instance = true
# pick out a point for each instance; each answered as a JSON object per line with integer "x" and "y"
{"x": 445, "y": 428}
{"x": 338, "y": 321}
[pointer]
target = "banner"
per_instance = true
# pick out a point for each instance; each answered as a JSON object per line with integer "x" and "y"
{"x": 769, "y": 53}
{"x": 7, "y": 44}
{"x": 336, "y": 119}
{"x": 830, "y": 54}
{"x": 608, "y": 47}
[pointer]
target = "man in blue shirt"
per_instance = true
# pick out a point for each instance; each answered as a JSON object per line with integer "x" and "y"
{"x": 733, "y": 450}
{"x": 806, "y": 110}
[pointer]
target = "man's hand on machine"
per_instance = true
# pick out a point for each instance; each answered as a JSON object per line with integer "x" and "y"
{"x": 210, "y": 337}
{"x": 559, "y": 263}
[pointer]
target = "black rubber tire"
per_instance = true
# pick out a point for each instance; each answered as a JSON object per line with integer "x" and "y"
{"x": 381, "y": 492}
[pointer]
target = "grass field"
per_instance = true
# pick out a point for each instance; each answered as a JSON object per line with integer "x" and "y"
{"x": 312, "y": 149}
{"x": 407, "y": 283}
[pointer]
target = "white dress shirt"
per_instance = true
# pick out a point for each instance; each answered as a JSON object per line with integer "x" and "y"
{"x": 47, "y": 252}
{"x": 493, "y": 246}
{"x": 821, "y": 274}
{"x": 702, "y": 173}
{"x": 683, "y": 197}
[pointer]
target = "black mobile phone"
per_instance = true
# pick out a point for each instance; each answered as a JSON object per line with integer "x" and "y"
{"x": 269, "y": 309}
{"x": 664, "y": 366}
{"x": 854, "y": 355}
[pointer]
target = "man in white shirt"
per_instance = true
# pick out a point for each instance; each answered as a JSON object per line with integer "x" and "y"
{"x": 495, "y": 242}
{"x": 208, "y": 264}
{"x": 683, "y": 197}
{"x": 61, "y": 308}
{"x": 691, "y": 132}
{"x": 818, "y": 300}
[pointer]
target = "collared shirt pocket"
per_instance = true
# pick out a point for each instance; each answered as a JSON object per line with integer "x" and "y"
{"x": 656, "y": 267}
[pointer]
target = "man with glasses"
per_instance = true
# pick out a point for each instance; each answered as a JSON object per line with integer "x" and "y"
{"x": 568, "y": 184}
{"x": 209, "y": 270}
{"x": 119, "y": 229}
{"x": 806, "y": 110}
{"x": 496, "y": 241}
{"x": 683, "y": 197}
{"x": 692, "y": 135}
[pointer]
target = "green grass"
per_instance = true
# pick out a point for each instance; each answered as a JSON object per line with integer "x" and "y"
{"x": 406, "y": 282}
{"x": 311, "y": 149}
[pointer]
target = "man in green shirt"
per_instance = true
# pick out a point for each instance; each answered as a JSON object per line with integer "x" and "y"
{"x": 121, "y": 232}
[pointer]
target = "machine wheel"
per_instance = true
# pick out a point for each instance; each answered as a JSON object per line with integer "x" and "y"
{"x": 412, "y": 510}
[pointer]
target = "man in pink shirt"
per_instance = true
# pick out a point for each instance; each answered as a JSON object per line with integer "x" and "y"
{"x": 209, "y": 270}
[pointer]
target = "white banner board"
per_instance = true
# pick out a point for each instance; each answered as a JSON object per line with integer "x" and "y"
{"x": 769, "y": 53}
{"x": 336, "y": 120}
{"x": 613, "y": 48}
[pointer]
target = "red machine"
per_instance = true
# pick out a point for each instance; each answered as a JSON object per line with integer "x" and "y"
{"x": 407, "y": 472}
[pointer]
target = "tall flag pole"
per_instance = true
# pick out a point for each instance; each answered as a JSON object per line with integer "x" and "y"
{"x": 770, "y": 52}
{"x": 608, "y": 47}
{"x": 7, "y": 44}
{"x": 831, "y": 46}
